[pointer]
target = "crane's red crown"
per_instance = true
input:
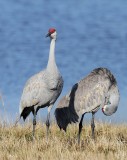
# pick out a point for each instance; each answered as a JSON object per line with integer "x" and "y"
{"x": 51, "y": 30}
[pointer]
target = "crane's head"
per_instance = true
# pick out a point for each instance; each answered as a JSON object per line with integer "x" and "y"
{"x": 52, "y": 33}
{"x": 111, "y": 105}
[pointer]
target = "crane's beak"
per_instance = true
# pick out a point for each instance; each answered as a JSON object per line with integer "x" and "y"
{"x": 48, "y": 34}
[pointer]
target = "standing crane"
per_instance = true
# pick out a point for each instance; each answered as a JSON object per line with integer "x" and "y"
{"x": 43, "y": 88}
{"x": 97, "y": 90}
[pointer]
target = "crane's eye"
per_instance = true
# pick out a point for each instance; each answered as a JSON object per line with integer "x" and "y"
{"x": 108, "y": 102}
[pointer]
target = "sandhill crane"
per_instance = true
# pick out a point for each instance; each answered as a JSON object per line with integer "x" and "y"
{"x": 43, "y": 88}
{"x": 97, "y": 90}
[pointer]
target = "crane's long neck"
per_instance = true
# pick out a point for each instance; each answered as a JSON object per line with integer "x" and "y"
{"x": 51, "y": 61}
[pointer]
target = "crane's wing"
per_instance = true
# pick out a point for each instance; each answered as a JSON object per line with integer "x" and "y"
{"x": 33, "y": 91}
{"x": 89, "y": 94}
{"x": 40, "y": 90}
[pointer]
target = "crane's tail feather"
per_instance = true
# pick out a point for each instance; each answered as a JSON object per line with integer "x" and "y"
{"x": 65, "y": 116}
{"x": 26, "y": 111}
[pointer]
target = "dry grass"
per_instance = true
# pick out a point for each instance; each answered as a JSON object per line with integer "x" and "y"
{"x": 110, "y": 144}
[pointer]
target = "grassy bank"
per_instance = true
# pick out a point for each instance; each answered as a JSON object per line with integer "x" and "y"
{"x": 16, "y": 143}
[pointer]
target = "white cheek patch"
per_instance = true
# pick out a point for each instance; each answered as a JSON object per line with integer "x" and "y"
{"x": 53, "y": 35}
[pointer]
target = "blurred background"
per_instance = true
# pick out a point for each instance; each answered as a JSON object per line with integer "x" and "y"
{"x": 91, "y": 34}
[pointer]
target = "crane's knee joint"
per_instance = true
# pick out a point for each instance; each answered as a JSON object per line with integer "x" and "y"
{"x": 47, "y": 124}
{"x": 80, "y": 125}
{"x": 92, "y": 125}
{"x": 34, "y": 122}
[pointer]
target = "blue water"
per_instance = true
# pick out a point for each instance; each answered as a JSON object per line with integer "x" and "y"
{"x": 90, "y": 34}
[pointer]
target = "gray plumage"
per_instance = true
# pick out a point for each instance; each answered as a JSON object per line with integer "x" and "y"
{"x": 42, "y": 89}
{"x": 97, "y": 90}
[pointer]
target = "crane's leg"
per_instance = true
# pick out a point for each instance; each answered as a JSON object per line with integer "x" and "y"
{"x": 34, "y": 122}
{"x": 80, "y": 128}
{"x": 93, "y": 125}
{"x": 48, "y": 120}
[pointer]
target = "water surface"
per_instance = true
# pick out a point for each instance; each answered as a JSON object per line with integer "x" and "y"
{"x": 91, "y": 34}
